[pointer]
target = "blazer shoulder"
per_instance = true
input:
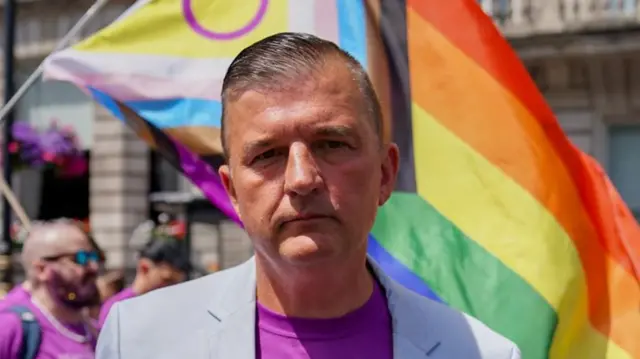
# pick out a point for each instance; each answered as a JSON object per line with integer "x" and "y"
{"x": 459, "y": 333}
{"x": 174, "y": 318}
{"x": 198, "y": 291}
{"x": 181, "y": 302}
{"x": 489, "y": 343}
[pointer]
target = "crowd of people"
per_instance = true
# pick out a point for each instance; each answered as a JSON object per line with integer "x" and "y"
{"x": 57, "y": 312}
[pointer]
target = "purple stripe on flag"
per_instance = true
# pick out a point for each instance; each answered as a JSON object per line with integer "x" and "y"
{"x": 203, "y": 176}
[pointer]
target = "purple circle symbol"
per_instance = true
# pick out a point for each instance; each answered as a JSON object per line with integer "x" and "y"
{"x": 190, "y": 17}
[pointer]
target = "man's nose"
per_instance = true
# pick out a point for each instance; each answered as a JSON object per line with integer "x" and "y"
{"x": 302, "y": 176}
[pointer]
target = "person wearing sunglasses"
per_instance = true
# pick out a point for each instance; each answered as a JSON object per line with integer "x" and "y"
{"x": 162, "y": 262}
{"x": 22, "y": 292}
{"x": 61, "y": 265}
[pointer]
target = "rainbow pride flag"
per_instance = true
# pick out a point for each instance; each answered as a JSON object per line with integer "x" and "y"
{"x": 495, "y": 213}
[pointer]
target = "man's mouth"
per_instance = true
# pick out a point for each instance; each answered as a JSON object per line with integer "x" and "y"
{"x": 304, "y": 218}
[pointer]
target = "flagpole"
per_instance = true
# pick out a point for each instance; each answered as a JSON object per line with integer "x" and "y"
{"x": 6, "y": 117}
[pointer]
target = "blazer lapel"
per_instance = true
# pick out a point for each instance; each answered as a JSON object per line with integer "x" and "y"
{"x": 235, "y": 335}
{"x": 413, "y": 336}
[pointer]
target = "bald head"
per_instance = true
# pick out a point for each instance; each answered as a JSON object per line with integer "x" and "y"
{"x": 52, "y": 239}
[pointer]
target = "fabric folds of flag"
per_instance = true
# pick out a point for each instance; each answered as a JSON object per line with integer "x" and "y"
{"x": 495, "y": 212}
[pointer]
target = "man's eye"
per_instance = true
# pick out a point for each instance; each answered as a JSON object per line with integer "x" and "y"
{"x": 265, "y": 155}
{"x": 331, "y": 144}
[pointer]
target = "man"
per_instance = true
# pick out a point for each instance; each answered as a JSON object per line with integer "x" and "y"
{"x": 306, "y": 171}
{"x": 22, "y": 292}
{"x": 61, "y": 266}
{"x": 163, "y": 261}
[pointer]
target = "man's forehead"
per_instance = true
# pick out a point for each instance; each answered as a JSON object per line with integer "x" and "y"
{"x": 330, "y": 78}
{"x": 304, "y": 116}
{"x": 328, "y": 94}
{"x": 256, "y": 108}
{"x": 59, "y": 235}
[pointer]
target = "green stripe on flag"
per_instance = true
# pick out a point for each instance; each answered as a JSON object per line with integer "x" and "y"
{"x": 463, "y": 274}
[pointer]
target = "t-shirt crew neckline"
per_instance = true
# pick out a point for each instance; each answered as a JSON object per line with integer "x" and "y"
{"x": 332, "y": 328}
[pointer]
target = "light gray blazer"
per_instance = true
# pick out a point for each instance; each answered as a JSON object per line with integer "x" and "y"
{"x": 214, "y": 317}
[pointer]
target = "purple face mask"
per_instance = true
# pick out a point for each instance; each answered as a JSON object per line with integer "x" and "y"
{"x": 74, "y": 294}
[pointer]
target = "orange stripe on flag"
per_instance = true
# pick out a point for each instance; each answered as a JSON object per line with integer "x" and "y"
{"x": 476, "y": 107}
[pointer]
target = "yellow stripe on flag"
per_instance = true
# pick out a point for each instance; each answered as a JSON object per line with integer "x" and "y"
{"x": 507, "y": 221}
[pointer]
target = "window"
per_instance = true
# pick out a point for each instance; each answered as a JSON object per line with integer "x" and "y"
{"x": 164, "y": 177}
{"x": 624, "y": 164}
{"x": 624, "y": 6}
{"x": 499, "y": 10}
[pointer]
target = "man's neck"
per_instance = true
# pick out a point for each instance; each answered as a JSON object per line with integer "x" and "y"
{"x": 61, "y": 312}
{"x": 329, "y": 291}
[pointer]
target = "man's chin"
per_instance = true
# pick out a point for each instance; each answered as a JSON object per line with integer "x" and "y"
{"x": 308, "y": 249}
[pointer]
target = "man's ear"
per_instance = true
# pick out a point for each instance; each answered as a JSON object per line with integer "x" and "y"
{"x": 144, "y": 265}
{"x": 225, "y": 176}
{"x": 389, "y": 167}
{"x": 39, "y": 270}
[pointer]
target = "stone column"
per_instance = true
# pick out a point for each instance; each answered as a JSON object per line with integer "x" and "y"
{"x": 119, "y": 186}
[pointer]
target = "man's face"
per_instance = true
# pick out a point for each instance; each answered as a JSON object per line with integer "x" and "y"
{"x": 306, "y": 170}
{"x": 70, "y": 271}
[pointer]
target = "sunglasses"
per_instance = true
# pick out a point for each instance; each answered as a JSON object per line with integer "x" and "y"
{"x": 82, "y": 258}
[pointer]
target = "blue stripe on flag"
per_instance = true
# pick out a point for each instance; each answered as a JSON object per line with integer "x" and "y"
{"x": 352, "y": 29}
{"x": 168, "y": 113}
{"x": 107, "y": 102}
{"x": 179, "y": 112}
{"x": 398, "y": 271}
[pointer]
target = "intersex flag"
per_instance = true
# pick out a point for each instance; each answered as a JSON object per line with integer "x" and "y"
{"x": 495, "y": 213}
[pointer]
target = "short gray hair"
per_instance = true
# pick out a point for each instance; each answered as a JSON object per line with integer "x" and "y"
{"x": 280, "y": 60}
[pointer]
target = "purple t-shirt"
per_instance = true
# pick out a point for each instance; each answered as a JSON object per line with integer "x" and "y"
{"x": 54, "y": 344}
{"x": 106, "y": 306}
{"x": 363, "y": 333}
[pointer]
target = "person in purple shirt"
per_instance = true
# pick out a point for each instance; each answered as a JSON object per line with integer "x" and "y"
{"x": 307, "y": 164}
{"x": 61, "y": 266}
{"x": 163, "y": 261}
